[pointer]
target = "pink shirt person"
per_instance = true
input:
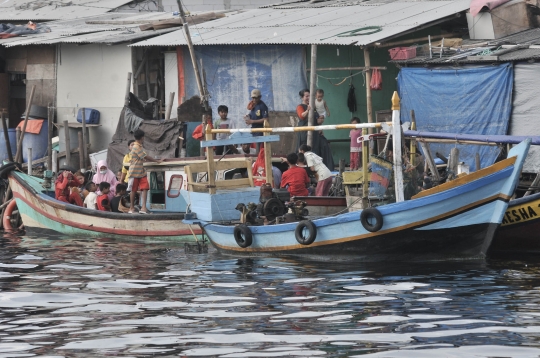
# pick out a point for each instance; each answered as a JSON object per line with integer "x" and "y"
{"x": 105, "y": 174}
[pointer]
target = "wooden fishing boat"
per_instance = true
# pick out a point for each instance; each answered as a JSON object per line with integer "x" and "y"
{"x": 455, "y": 220}
{"x": 40, "y": 212}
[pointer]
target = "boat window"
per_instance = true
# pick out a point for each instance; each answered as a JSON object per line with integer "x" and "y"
{"x": 175, "y": 184}
{"x": 157, "y": 188}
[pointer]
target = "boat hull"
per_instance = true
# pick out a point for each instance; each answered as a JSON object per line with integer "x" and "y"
{"x": 453, "y": 221}
{"x": 41, "y": 213}
{"x": 520, "y": 227}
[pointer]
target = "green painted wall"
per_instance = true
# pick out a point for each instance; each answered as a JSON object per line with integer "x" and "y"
{"x": 336, "y": 95}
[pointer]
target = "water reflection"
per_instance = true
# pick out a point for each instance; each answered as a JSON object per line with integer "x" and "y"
{"x": 77, "y": 298}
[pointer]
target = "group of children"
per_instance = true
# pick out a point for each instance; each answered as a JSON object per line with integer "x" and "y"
{"x": 102, "y": 202}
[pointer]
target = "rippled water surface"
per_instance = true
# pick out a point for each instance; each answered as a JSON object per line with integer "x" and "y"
{"x": 66, "y": 297}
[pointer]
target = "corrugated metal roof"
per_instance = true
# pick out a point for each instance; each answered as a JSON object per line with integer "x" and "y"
{"x": 110, "y": 30}
{"x": 41, "y": 10}
{"x": 526, "y": 38}
{"x": 326, "y": 25}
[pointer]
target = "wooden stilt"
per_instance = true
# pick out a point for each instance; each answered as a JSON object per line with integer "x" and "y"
{"x": 268, "y": 158}
{"x": 82, "y": 164}
{"x": 169, "y": 106}
{"x": 211, "y": 165}
{"x": 477, "y": 161}
{"x": 312, "y": 87}
{"x": 29, "y": 171}
{"x": 84, "y": 141}
{"x": 6, "y": 138}
{"x": 19, "y": 155}
{"x": 49, "y": 136}
{"x": 68, "y": 143}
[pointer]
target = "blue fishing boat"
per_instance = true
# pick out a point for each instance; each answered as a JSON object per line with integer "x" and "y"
{"x": 455, "y": 220}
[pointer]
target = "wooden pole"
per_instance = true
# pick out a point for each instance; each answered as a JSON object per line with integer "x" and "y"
{"x": 17, "y": 138}
{"x": 54, "y": 165}
{"x": 430, "y": 162}
{"x": 365, "y": 174}
{"x": 82, "y": 164}
{"x": 29, "y": 161}
{"x": 312, "y": 82}
{"x": 128, "y": 89}
{"x": 147, "y": 79}
{"x": 169, "y": 106}
{"x": 19, "y": 155}
{"x": 453, "y": 163}
{"x": 49, "y": 136}
{"x": 6, "y": 138}
{"x": 369, "y": 107}
{"x": 413, "y": 141}
{"x": 192, "y": 53}
{"x": 68, "y": 143}
{"x": 268, "y": 158}
{"x": 396, "y": 136}
{"x": 210, "y": 164}
{"x": 84, "y": 141}
{"x": 477, "y": 161}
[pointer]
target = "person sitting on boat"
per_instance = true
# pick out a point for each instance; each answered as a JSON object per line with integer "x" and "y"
{"x": 104, "y": 174}
{"x": 124, "y": 178}
{"x": 295, "y": 179}
{"x": 322, "y": 173}
{"x": 115, "y": 202}
{"x": 102, "y": 201}
{"x": 63, "y": 191}
{"x": 302, "y": 164}
{"x": 91, "y": 199}
{"x": 137, "y": 173}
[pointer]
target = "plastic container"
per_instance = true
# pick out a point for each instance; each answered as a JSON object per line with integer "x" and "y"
{"x": 91, "y": 116}
{"x": 12, "y": 143}
{"x": 38, "y": 143}
{"x": 402, "y": 53}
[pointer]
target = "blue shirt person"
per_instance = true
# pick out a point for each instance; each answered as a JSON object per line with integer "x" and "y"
{"x": 258, "y": 113}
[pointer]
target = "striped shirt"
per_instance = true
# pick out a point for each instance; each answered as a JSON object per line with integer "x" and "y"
{"x": 136, "y": 168}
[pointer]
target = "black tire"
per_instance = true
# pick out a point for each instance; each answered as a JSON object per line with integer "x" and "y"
{"x": 243, "y": 236}
{"x": 299, "y": 232}
{"x": 6, "y": 169}
{"x": 368, "y": 216}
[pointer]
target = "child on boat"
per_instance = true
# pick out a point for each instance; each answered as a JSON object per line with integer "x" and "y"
{"x": 63, "y": 186}
{"x": 137, "y": 173}
{"x": 103, "y": 203}
{"x": 120, "y": 192}
{"x": 320, "y": 104}
{"x": 295, "y": 179}
{"x": 124, "y": 178}
{"x": 91, "y": 199}
{"x": 322, "y": 173}
{"x": 222, "y": 123}
{"x": 356, "y": 148}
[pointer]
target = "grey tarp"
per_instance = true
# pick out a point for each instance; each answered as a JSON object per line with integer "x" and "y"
{"x": 526, "y": 107}
{"x": 160, "y": 140}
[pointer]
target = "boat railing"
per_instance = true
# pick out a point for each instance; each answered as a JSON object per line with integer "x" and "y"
{"x": 215, "y": 184}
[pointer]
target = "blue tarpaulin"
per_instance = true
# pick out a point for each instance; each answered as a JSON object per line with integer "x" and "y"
{"x": 475, "y": 100}
{"x": 233, "y": 71}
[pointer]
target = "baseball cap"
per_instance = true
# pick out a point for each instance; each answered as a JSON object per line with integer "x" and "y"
{"x": 255, "y": 93}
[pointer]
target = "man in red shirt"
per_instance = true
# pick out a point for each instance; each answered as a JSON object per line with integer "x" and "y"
{"x": 295, "y": 179}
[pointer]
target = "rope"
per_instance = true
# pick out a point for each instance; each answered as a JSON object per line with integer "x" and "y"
{"x": 337, "y": 78}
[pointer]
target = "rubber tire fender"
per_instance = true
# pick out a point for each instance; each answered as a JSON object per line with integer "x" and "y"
{"x": 6, "y": 220}
{"x": 299, "y": 232}
{"x": 371, "y": 213}
{"x": 243, "y": 236}
{"x": 6, "y": 169}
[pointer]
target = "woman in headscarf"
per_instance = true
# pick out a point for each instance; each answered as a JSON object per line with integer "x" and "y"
{"x": 105, "y": 174}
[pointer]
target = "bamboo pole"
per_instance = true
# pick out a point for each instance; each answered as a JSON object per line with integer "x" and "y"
{"x": 68, "y": 143}
{"x": 169, "y": 106}
{"x": 301, "y": 129}
{"x": 454, "y": 141}
{"x": 19, "y": 155}
{"x": 268, "y": 158}
{"x": 128, "y": 89}
{"x": 354, "y": 68}
{"x": 312, "y": 82}
{"x": 365, "y": 175}
{"x": 49, "y": 136}
{"x": 369, "y": 106}
{"x": 82, "y": 164}
{"x": 396, "y": 134}
{"x": 29, "y": 161}
{"x": 84, "y": 141}
{"x": 192, "y": 54}
{"x": 413, "y": 141}
{"x": 210, "y": 164}
{"x": 6, "y": 138}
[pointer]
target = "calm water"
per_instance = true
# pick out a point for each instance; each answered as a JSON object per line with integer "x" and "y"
{"x": 63, "y": 297}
